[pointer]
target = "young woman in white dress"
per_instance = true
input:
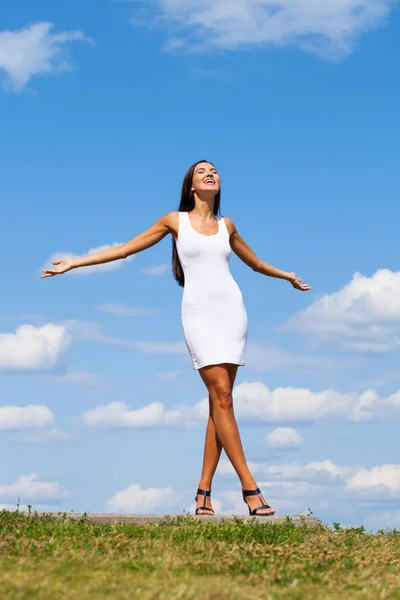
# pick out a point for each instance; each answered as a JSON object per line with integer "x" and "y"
{"x": 214, "y": 318}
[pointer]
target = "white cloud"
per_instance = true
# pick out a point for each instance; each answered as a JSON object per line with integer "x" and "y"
{"x": 317, "y": 472}
{"x": 363, "y": 316}
{"x": 122, "y": 310}
{"x": 284, "y": 438}
{"x": 32, "y": 348}
{"x": 329, "y": 28}
{"x": 232, "y": 503}
{"x": 354, "y": 495}
{"x": 254, "y": 404}
{"x": 117, "y": 414}
{"x": 287, "y": 498}
{"x": 353, "y": 491}
{"x": 293, "y": 490}
{"x": 327, "y": 467}
{"x": 322, "y": 486}
{"x": 27, "y": 487}
{"x": 157, "y": 270}
{"x": 30, "y": 424}
{"x": 290, "y": 488}
{"x": 16, "y": 418}
{"x": 109, "y": 266}
{"x": 137, "y": 500}
{"x": 380, "y": 481}
{"x": 35, "y": 50}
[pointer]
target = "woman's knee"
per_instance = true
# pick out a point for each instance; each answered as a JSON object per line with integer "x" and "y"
{"x": 221, "y": 396}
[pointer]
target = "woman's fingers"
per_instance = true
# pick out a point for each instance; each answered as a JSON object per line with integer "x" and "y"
{"x": 298, "y": 286}
{"x": 50, "y": 272}
{"x": 61, "y": 266}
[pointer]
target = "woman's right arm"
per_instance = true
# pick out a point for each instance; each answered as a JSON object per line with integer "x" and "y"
{"x": 167, "y": 224}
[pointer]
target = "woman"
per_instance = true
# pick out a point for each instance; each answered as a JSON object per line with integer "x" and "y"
{"x": 214, "y": 318}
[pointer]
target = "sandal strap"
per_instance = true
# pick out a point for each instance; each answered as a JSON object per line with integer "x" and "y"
{"x": 255, "y": 510}
{"x": 211, "y": 512}
{"x": 255, "y": 492}
{"x": 206, "y": 494}
{"x": 201, "y": 492}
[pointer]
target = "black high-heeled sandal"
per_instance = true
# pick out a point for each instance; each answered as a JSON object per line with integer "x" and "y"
{"x": 204, "y": 507}
{"x": 256, "y": 492}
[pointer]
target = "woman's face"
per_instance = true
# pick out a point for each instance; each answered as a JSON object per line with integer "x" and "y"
{"x": 205, "y": 178}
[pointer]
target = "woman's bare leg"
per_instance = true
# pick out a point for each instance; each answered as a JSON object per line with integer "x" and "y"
{"x": 217, "y": 381}
{"x": 212, "y": 447}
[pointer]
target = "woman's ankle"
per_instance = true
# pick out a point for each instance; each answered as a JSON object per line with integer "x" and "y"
{"x": 248, "y": 484}
{"x": 205, "y": 484}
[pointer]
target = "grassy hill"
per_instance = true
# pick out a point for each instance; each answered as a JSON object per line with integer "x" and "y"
{"x": 52, "y": 558}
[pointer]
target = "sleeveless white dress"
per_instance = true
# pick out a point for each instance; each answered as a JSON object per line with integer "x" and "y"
{"x": 214, "y": 317}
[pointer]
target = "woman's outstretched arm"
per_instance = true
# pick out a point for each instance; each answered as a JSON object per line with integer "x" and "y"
{"x": 146, "y": 239}
{"x": 246, "y": 254}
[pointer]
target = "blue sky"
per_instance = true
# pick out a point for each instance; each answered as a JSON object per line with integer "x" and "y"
{"x": 103, "y": 108}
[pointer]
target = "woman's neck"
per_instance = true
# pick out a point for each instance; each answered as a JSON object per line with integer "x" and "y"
{"x": 204, "y": 207}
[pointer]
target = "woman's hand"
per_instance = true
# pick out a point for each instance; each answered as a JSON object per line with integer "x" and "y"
{"x": 296, "y": 283}
{"x": 64, "y": 265}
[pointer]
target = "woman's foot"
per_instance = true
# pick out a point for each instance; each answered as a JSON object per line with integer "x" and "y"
{"x": 255, "y": 501}
{"x": 203, "y": 502}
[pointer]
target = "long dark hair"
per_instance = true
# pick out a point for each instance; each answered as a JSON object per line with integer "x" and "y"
{"x": 187, "y": 204}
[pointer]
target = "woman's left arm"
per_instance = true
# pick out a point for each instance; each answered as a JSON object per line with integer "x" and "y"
{"x": 246, "y": 254}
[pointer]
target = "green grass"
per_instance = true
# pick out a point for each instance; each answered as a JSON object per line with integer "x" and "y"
{"x": 52, "y": 558}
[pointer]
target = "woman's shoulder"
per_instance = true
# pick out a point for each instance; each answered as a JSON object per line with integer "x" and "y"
{"x": 171, "y": 221}
{"x": 229, "y": 224}
{"x": 171, "y": 217}
{"x": 173, "y": 214}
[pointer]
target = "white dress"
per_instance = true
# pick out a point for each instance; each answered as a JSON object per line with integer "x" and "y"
{"x": 214, "y": 317}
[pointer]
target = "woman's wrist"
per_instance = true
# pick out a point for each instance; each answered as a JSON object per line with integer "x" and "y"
{"x": 290, "y": 277}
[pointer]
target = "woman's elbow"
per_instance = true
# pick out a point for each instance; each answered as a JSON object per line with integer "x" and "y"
{"x": 124, "y": 251}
